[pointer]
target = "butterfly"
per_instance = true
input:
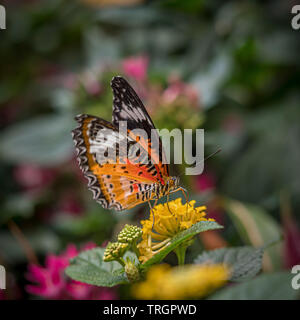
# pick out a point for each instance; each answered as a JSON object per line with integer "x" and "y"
{"x": 137, "y": 172}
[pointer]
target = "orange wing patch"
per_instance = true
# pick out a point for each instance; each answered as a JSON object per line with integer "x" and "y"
{"x": 121, "y": 192}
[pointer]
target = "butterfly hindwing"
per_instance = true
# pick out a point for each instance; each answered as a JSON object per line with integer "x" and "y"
{"x": 124, "y": 193}
{"x": 115, "y": 183}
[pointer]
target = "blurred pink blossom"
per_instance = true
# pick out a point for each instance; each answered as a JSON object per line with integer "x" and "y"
{"x": 91, "y": 84}
{"x": 32, "y": 177}
{"x": 69, "y": 81}
{"x": 69, "y": 203}
{"x": 12, "y": 291}
{"x": 216, "y": 214}
{"x": 291, "y": 241}
{"x": 2, "y": 296}
{"x": 77, "y": 172}
{"x": 205, "y": 182}
{"x": 49, "y": 279}
{"x": 136, "y": 67}
{"x": 51, "y": 282}
{"x": 233, "y": 123}
{"x": 177, "y": 88}
{"x": 60, "y": 78}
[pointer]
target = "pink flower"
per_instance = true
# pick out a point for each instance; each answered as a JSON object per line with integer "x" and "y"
{"x": 91, "y": 84}
{"x": 78, "y": 290}
{"x": 177, "y": 89}
{"x": 69, "y": 204}
{"x": 205, "y": 182}
{"x": 291, "y": 241}
{"x": 104, "y": 294}
{"x": 69, "y": 81}
{"x": 81, "y": 291}
{"x": 233, "y": 123}
{"x": 49, "y": 278}
{"x": 89, "y": 245}
{"x": 136, "y": 67}
{"x": 216, "y": 214}
{"x": 51, "y": 282}
{"x": 32, "y": 177}
{"x": 172, "y": 93}
{"x": 2, "y": 296}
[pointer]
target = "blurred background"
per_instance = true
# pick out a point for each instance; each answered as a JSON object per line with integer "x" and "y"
{"x": 230, "y": 67}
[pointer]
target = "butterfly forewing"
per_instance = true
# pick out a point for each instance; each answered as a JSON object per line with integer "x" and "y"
{"x": 128, "y": 107}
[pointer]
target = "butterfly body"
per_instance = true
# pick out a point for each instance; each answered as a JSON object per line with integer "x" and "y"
{"x": 123, "y": 168}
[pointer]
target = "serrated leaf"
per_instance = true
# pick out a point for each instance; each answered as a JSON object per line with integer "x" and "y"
{"x": 257, "y": 228}
{"x": 273, "y": 286}
{"x": 245, "y": 261}
{"x": 89, "y": 267}
{"x": 180, "y": 238}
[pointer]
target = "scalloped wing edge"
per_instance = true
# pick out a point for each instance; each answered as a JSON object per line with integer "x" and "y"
{"x": 82, "y": 159}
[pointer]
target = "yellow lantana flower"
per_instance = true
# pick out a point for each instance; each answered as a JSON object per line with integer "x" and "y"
{"x": 165, "y": 222}
{"x": 182, "y": 282}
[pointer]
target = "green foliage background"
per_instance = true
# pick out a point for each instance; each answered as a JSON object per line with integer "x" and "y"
{"x": 242, "y": 58}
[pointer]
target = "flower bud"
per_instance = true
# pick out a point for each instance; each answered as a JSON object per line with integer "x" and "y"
{"x": 114, "y": 250}
{"x": 130, "y": 234}
{"x": 132, "y": 272}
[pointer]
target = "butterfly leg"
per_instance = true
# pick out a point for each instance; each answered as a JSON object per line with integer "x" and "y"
{"x": 186, "y": 196}
{"x": 168, "y": 199}
{"x": 151, "y": 210}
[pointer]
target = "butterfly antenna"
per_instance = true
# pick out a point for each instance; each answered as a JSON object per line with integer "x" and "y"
{"x": 209, "y": 156}
{"x": 213, "y": 154}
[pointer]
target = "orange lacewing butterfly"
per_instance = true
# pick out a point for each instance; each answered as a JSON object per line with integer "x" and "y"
{"x": 124, "y": 181}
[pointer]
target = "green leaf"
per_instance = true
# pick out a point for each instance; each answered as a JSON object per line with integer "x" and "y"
{"x": 245, "y": 261}
{"x": 257, "y": 228}
{"x": 180, "y": 238}
{"x": 45, "y": 140}
{"x": 89, "y": 267}
{"x": 93, "y": 222}
{"x": 272, "y": 286}
{"x": 18, "y": 205}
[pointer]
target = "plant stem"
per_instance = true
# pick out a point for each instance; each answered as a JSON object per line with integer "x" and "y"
{"x": 180, "y": 252}
{"x": 121, "y": 261}
{"x": 24, "y": 243}
{"x": 135, "y": 249}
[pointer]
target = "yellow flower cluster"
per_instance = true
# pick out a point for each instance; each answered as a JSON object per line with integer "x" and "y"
{"x": 165, "y": 222}
{"x": 182, "y": 282}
